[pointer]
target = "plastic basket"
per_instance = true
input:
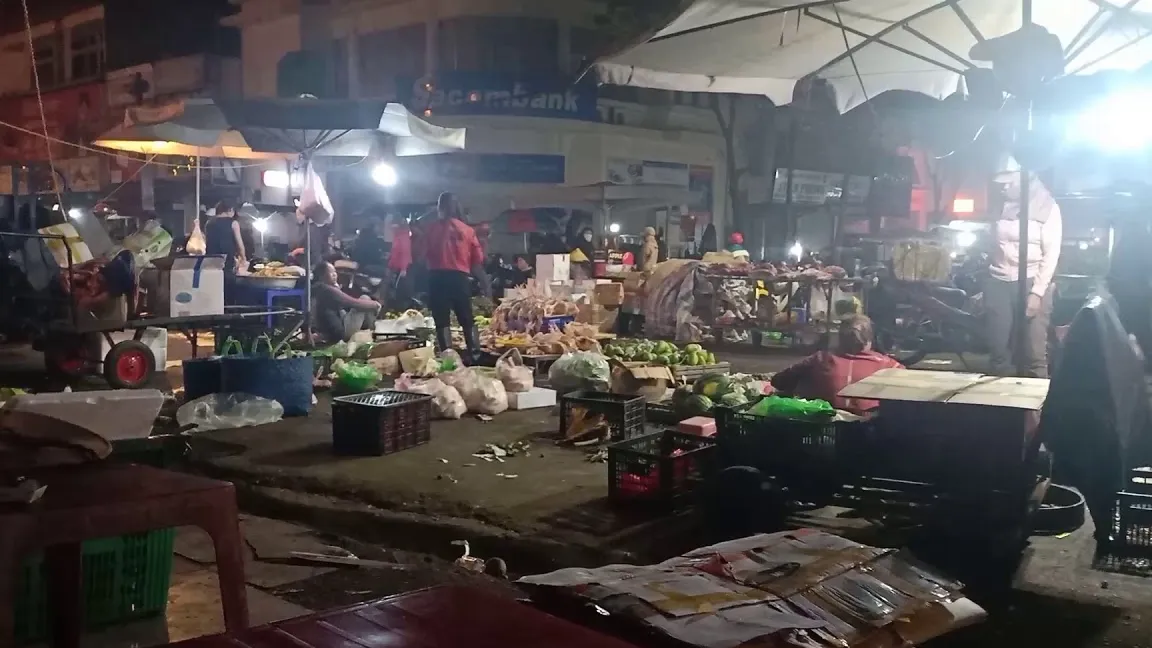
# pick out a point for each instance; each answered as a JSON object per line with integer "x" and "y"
{"x": 624, "y": 414}
{"x": 660, "y": 469}
{"x": 380, "y": 423}
{"x": 125, "y": 578}
{"x": 784, "y": 447}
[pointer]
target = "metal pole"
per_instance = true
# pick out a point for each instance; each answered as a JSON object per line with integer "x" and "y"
{"x": 1023, "y": 132}
{"x": 196, "y": 212}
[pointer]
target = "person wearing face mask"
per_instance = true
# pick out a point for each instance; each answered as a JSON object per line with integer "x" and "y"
{"x": 1001, "y": 289}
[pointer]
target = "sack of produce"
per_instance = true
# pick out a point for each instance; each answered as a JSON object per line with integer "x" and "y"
{"x": 483, "y": 394}
{"x": 446, "y": 401}
{"x": 793, "y": 408}
{"x": 580, "y": 370}
{"x": 511, "y": 371}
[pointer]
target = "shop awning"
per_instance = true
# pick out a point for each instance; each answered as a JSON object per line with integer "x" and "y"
{"x": 765, "y": 47}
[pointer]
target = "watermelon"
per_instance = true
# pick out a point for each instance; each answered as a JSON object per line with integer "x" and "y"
{"x": 698, "y": 405}
{"x": 681, "y": 396}
{"x": 713, "y": 385}
{"x": 734, "y": 399}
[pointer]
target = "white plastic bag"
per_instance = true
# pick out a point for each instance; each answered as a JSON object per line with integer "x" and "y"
{"x": 490, "y": 396}
{"x": 196, "y": 245}
{"x": 511, "y": 371}
{"x": 446, "y": 401}
{"x": 482, "y": 394}
{"x": 314, "y": 203}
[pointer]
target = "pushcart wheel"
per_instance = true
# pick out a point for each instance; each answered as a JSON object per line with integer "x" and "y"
{"x": 129, "y": 365}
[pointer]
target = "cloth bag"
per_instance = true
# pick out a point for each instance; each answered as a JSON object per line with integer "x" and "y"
{"x": 286, "y": 380}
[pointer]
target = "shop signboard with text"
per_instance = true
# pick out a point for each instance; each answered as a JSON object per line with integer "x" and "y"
{"x": 465, "y": 93}
{"x": 698, "y": 179}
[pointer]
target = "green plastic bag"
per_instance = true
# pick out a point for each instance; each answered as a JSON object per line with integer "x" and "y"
{"x": 357, "y": 376}
{"x": 793, "y": 408}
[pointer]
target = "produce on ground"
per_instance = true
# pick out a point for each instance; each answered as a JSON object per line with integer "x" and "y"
{"x": 780, "y": 271}
{"x": 659, "y": 352}
{"x": 712, "y": 389}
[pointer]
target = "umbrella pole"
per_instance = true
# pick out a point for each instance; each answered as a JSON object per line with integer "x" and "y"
{"x": 308, "y": 280}
{"x": 1023, "y": 132}
{"x": 196, "y": 212}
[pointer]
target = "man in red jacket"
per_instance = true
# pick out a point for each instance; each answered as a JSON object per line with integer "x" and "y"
{"x": 450, "y": 248}
{"x": 823, "y": 374}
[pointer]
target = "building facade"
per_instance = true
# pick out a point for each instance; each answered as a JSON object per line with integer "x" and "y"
{"x": 507, "y": 71}
{"x": 89, "y": 61}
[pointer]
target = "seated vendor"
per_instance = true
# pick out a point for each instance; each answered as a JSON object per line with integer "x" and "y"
{"x": 338, "y": 316}
{"x": 823, "y": 374}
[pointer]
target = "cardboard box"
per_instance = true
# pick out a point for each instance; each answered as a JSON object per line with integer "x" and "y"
{"x": 954, "y": 427}
{"x": 611, "y": 294}
{"x": 553, "y": 267}
{"x": 196, "y": 286}
{"x": 649, "y": 381}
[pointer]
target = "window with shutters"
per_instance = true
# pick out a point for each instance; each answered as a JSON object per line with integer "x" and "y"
{"x": 49, "y": 61}
{"x": 86, "y": 49}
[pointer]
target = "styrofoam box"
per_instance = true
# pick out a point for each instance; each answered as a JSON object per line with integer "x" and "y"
{"x": 155, "y": 338}
{"x": 553, "y": 267}
{"x": 113, "y": 414}
{"x": 534, "y": 398}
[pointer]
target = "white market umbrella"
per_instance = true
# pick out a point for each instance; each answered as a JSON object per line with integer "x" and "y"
{"x": 763, "y": 47}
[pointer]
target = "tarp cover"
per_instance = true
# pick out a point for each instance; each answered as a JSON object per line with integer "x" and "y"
{"x": 764, "y": 47}
{"x": 1096, "y": 418}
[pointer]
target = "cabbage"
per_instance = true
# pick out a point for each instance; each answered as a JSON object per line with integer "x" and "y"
{"x": 580, "y": 370}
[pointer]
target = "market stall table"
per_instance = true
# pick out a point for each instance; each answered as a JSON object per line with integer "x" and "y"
{"x": 100, "y": 501}
{"x": 442, "y": 617}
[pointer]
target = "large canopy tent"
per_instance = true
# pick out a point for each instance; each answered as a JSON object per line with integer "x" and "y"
{"x": 861, "y": 48}
{"x": 279, "y": 129}
{"x": 864, "y": 47}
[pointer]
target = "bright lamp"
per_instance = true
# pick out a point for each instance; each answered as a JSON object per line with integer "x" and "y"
{"x": 384, "y": 175}
{"x": 1118, "y": 122}
{"x": 276, "y": 179}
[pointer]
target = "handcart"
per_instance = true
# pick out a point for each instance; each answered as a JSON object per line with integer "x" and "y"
{"x": 129, "y": 364}
{"x": 33, "y": 307}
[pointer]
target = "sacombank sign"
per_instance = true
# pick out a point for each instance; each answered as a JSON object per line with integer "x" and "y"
{"x": 476, "y": 94}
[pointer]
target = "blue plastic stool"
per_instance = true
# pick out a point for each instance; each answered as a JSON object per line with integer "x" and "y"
{"x": 272, "y": 294}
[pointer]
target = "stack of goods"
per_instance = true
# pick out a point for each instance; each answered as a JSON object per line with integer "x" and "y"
{"x": 530, "y": 312}
{"x": 797, "y": 588}
{"x": 812, "y": 271}
{"x": 659, "y": 352}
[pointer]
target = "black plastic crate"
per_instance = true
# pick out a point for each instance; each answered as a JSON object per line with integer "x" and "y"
{"x": 787, "y": 447}
{"x": 662, "y": 413}
{"x": 158, "y": 451}
{"x": 624, "y": 414}
{"x": 380, "y": 423}
{"x": 1131, "y": 524}
{"x": 659, "y": 469}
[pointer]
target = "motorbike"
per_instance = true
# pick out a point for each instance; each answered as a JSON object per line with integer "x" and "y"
{"x": 915, "y": 318}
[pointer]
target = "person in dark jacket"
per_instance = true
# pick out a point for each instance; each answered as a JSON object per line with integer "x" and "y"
{"x": 222, "y": 235}
{"x": 337, "y": 316}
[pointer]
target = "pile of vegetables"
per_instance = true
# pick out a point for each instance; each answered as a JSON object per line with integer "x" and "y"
{"x": 715, "y": 389}
{"x": 662, "y": 353}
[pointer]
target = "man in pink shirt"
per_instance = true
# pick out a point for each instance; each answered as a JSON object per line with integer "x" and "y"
{"x": 1001, "y": 292}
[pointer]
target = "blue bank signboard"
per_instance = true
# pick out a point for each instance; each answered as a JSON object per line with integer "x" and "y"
{"x": 467, "y": 93}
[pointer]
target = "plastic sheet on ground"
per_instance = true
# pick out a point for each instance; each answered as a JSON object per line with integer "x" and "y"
{"x": 227, "y": 411}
